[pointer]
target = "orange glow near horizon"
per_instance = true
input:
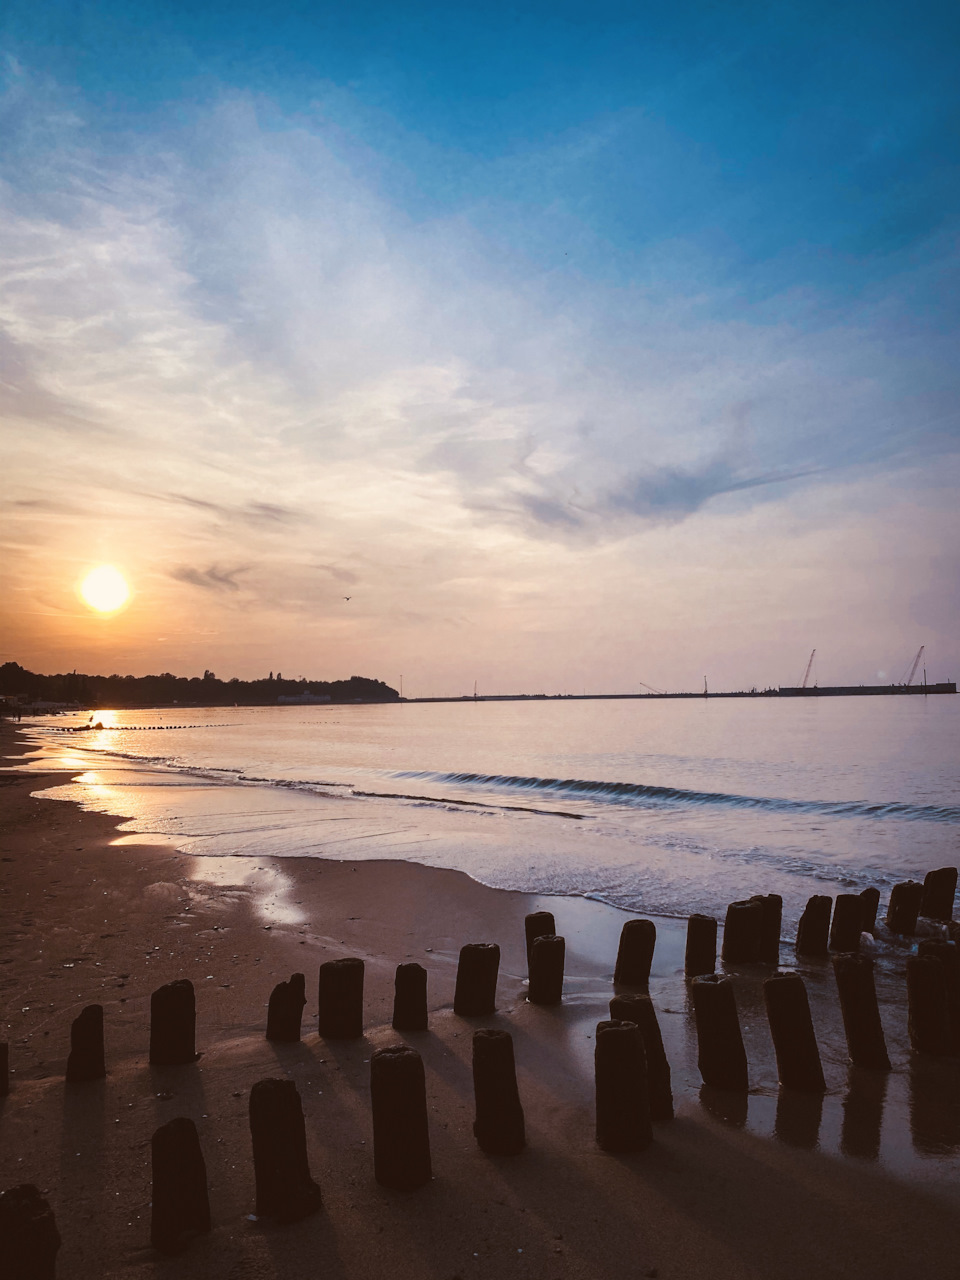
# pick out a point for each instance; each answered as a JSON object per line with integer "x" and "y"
{"x": 105, "y": 589}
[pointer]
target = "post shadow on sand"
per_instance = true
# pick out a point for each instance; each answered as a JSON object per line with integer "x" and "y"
{"x": 934, "y": 1105}
{"x": 863, "y": 1105}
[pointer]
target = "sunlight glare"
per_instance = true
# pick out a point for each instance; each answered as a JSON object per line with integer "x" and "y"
{"x": 105, "y": 589}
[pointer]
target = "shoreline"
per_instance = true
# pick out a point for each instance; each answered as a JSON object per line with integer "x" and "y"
{"x": 92, "y": 915}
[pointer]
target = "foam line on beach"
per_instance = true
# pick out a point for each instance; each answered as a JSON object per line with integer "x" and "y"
{"x": 641, "y": 793}
{"x": 476, "y": 804}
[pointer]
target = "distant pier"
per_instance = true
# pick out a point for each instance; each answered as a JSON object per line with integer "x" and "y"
{"x": 782, "y": 691}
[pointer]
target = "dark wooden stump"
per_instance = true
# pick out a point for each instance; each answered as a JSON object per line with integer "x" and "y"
{"x": 410, "y": 998}
{"x": 948, "y": 954}
{"x": 29, "y": 1238}
{"x": 847, "y": 923}
{"x": 861, "y": 1013}
{"x": 499, "y": 1126}
{"x": 537, "y": 925}
{"x": 285, "y": 1010}
{"x": 173, "y": 1024}
{"x": 86, "y": 1046}
{"x": 284, "y": 1188}
{"x": 721, "y": 1056}
{"x": 181, "y": 1207}
{"x": 813, "y": 931}
{"x": 623, "y": 1107}
{"x": 401, "y": 1139}
{"x": 939, "y": 891}
{"x": 638, "y": 938}
{"x": 475, "y": 995}
{"x": 640, "y": 1010}
{"x": 791, "y": 1027}
{"x": 546, "y": 970}
{"x": 340, "y": 999}
{"x": 700, "y": 955}
{"x": 870, "y": 903}
{"x": 904, "y": 907}
{"x": 741, "y": 932}
{"x": 771, "y": 918}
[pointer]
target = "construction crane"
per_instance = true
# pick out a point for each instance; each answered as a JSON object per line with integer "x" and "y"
{"x": 916, "y": 663}
{"x": 806, "y": 674}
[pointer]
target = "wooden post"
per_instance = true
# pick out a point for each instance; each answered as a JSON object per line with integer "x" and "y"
{"x": 623, "y": 1108}
{"x": 401, "y": 1139}
{"x": 284, "y": 1188}
{"x": 546, "y": 969}
{"x": 499, "y": 1125}
{"x": 4, "y": 1069}
{"x": 904, "y": 907}
{"x": 741, "y": 932}
{"x": 928, "y": 1016}
{"x": 771, "y": 917}
{"x": 639, "y": 1009}
{"x": 939, "y": 891}
{"x": 173, "y": 1022}
{"x": 340, "y": 999}
{"x": 475, "y": 995}
{"x": 701, "y": 950}
{"x": 870, "y": 900}
{"x": 721, "y": 1056}
{"x": 537, "y": 925}
{"x": 847, "y": 922}
{"x": 861, "y": 1013}
{"x": 814, "y": 927}
{"x": 638, "y": 938}
{"x": 86, "y": 1046}
{"x": 410, "y": 998}
{"x": 29, "y": 1238}
{"x": 788, "y": 1012}
{"x": 285, "y": 1010}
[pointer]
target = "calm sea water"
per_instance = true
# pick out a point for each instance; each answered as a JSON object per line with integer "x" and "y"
{"x": 665, "y": 807}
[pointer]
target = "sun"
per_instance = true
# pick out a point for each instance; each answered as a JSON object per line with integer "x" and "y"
{"x": 105, "y": 589}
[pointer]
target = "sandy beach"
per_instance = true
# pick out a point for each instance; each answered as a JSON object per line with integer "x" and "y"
{"x": 93, "y": 916}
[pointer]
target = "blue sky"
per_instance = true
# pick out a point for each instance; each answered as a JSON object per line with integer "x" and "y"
{"x": 599, "y": 286}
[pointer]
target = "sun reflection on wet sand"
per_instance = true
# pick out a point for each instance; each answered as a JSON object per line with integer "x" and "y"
{"x": 271, "y": 890}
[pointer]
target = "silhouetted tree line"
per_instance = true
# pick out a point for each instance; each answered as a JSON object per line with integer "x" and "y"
{"x": 164, "y": 689}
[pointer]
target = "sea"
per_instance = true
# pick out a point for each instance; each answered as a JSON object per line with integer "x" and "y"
{"x": 654, "y": 806}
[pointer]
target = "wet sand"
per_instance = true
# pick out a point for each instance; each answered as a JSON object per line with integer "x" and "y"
{"x": 92, "y": 917}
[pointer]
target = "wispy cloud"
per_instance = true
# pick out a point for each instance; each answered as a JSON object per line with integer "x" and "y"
{"x": 212, "y": 579}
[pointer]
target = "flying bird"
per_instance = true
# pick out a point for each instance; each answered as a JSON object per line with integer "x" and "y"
{"x": 346, "y": 597}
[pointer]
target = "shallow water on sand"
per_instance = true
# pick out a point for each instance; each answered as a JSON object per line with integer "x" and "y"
{"x": 669, "y": 807}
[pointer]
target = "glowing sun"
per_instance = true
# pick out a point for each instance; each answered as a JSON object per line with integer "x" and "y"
{"x": 105, "y": 589}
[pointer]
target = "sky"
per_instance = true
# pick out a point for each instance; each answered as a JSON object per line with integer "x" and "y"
{"x": 548, "y": 347}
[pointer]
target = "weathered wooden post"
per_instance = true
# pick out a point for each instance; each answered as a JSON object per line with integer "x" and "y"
{"x": 285, "y": 1190}
{"x": 638, "y": 938}
{"x": 700, "y": 955}
{"x": 741, "y": 932}
{"x": 85, "y": 1061}
{"x": 939, "y": 891}
{"x": 861, "y": 1013}
{"x": 904, "y": 907}
{"x": 948, "y": 954}
{"x": 340, "y": 999}
{"x": 401, "y": 1139}
{"x": 29, "y": 1238}
{"x": 639, "y": 1009}
{"x": 847, "y": 922}
{"x": 4, "y": 1069}
{"x": 546, "y": 969}
{"x": 537, "y": 925}
{"x": 870, "y": 900}
{"x": 285, "y": 1010}
{"x": 771, "y": 917}
{"x": 791, "y": 1026}
{"x": 475, "y": 994}
{"x": 410, "y": 998}
{"x": 180, "y": 1209}
{"x": 721, "y": 1056}
{"x": 623, "y": 1109}
{"x": 813, "y": 930}
{"x": 173, "y": 1022}
{"x": 499, "y": 1125}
